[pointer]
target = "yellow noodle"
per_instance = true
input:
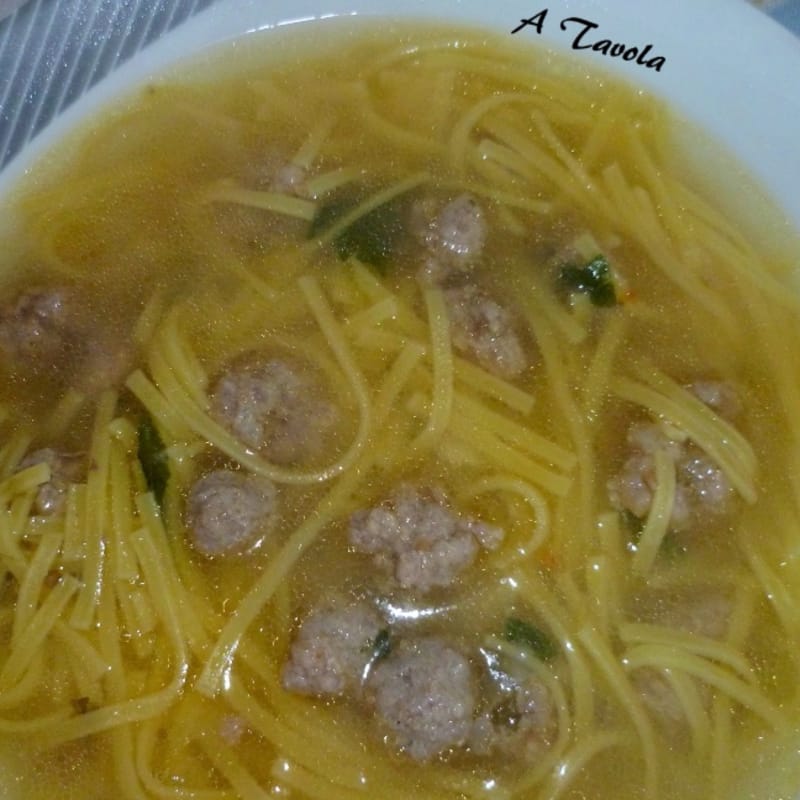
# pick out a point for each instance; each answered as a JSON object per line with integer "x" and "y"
{"x": 95, "y": 666}
{"x": 226, "y": 763}
{"x": 160, "y": 409}
{"x": 731, "y": 459}
{"x": 391, "y": 132}
{"x": 27, "y": 686}
{"x": 31, "y": 587}
{"x": 686, "y": 690}
{"x": 514, "y": 433}
{"x": 371, "y": 203}
{"x": 461, "y": 130}
{"x": 135, "y": 709}
{"x": 506, "y": 457}
{"x": 122, "y": 517}
{"x": 310, "y": 149}
{"x": 613, "y": 672}
{"x": 328, "y": 181}
{"x": 656, "y": 525}
{"x": 442, "y": 361}
{"x": 534, "y": 498}
{"x": 74, "y": 547}
{"x": 652, "y": 655}
{"x": 712, "y": 649}
{"x": 12, "y": 452}
{"x": 96, "y": 514}
{"x": 226, "y": 191}
{"x": 36, "y": 631}
{"x": 24, "y": 480}
{"x": 576, "y": 759}
{"x": 598, "y": 376}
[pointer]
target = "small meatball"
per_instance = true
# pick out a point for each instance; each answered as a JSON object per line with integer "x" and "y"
{"x": 333, "y": 650}
{"x": 456, "y": 235}
{"x": 521, "y": 723}
{"x": 424, "y": 691}
{"x": 105, "y": 364}
{"x": 414, "y": 535}
{"x": 64, "y": 469}
{"x": 33, "y": 324}
{"x": 274, "y": 407}
{"x": 719, "y": 396}
{"x": 230, "y": 512}
{"x": 483, "y": 329}
{"x": 702, "y": 490}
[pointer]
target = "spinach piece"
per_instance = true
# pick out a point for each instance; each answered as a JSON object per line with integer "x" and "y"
{"x": 372, "y": 238}
{"x": 153, "y": 458}
{"x": 381, "y": 645}
{"x": 534, "y": 639}
{"x": 632, "y": 524}
{"x": 593, "y": 279}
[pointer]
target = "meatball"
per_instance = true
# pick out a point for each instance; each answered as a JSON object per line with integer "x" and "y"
{"x": 47, "y": 331}
{"x": 230, "y": 512}
{"x": 419, "y": 539}
{"x": 33, "y": 324}
{"x": 275, "y": 407}
{"x": 521, "y": 723}
{"x": 456, "y": 235}
{"x": 702, "y": 490}
{"x": 483, "y": 328}
{"x": 333, "y": 650}
{"x": 64, "y": 469}
{"x": 424, "y": 692}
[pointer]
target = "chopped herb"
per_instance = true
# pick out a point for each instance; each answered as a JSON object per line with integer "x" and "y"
{"x": 537, "y": 641}
{"x": 327, "y": 214}
{"x": 382, "y": 645}
{"x": 372, "y": 238}
{"x": 153, "y": 458}
{"x": 632, "y": 524}
{"x": 82, "y": 705}
{"x": 593, "y": 279}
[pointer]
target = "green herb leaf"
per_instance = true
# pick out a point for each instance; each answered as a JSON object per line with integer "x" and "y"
{"x": 537, "y": 641}
{"x": 372, "y": 238}
{"x": 382, "y": 645}
{"x": 153, "y": 458}
{"x": 593, "y": 279}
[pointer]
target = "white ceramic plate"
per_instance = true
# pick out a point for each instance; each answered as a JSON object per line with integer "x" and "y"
{"x": 727, "y": 67}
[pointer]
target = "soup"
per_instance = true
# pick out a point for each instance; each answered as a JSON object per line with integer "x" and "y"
{"x": 393, "y": 421}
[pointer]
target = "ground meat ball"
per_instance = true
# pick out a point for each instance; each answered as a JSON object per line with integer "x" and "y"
{"x": 419, "y": 539}
{"x": 424, "y": 691}
{"x": 64, "y": 469}
{"x": 484, "y": 329}
{"x": 230, "y": 512}
{"x": 45, "y": 330}
{"x": 33, "y": 324}
{"x": 333, "y": 650}
{"x": 718, "y": 395}
{"x": 702, "y": 489}
{"x": 522, "y": 722}
{"x": 274, "y": 406}
{"x": 456, "y": 235}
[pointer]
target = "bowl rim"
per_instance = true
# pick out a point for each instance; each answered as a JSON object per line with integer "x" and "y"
{"x": 727, "y": 67}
